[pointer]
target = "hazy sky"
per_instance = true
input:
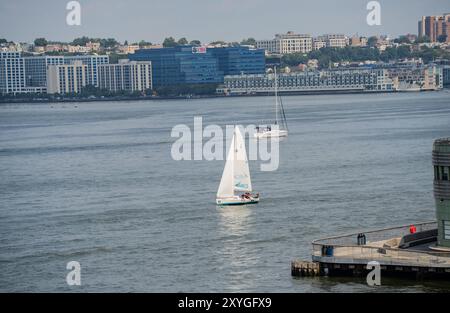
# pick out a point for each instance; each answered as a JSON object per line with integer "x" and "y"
{"x": 208, "y": 20}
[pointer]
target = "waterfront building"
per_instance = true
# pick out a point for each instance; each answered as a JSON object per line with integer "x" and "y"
{"x": 67, "y": 78}
{"x": 127, "y": 75}
{"x": 327, "y": 80}
{"x": 446, "y": 75}
{"x": 92, "y": 62}
{"x": 181, "y": 65}
{"x": 36, "y": 69}
{"x": 441, "y": 163}
{"x": 287, "y": 43}
{"x": 240, "y": 60}
{"x": 12, "y": 73}
{"x": 415, "y": 76}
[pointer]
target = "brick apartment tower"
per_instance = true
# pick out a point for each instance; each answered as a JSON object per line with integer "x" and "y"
{"x": 435, "y": 26}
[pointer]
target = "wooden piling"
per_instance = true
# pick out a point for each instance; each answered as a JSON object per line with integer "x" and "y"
{"x": 305, "y": 268}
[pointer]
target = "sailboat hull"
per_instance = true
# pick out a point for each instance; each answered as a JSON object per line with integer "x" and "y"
{"x": 236, "y": 201}
{"x": 272, "y": 133}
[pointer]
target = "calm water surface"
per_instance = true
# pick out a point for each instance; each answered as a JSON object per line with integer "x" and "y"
{"x": 95, "y": 183}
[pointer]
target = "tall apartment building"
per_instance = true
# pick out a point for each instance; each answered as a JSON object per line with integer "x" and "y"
{"x": 12, "y": 73}
{"x": 287, "y": 43}
{"x": 36, "y": 67}
{"x": 67, "y": 78}
{"x": 92, "y": 62}
{"x": 435, "y": 26}
{"x": 127, "y": 75}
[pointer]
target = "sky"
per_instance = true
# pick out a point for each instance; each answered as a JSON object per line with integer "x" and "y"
{"x": 208, "y": 20}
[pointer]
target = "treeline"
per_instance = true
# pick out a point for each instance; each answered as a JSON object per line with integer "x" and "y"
{"x": 172, "y": 42}
{"x": 327, "y": 55}
{"x": 186, "y": 90}
{"x": 91, "y": 92}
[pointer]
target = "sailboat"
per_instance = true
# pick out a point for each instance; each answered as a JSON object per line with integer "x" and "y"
{"x": 281, "y": 129}
{"x": 235, "y": 186}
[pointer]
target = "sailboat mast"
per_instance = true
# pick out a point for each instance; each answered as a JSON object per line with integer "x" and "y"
{"x": 234, "y": 158}
{"x": 276, "y": 96}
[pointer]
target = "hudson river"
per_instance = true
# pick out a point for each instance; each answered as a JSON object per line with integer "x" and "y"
{"x": 96, "y": 183}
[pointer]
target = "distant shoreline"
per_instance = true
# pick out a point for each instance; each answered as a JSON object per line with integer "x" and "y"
{"x": 196, "y": 97}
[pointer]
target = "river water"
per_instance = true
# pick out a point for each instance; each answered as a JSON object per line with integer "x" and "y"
{"x": 96, "y": 183}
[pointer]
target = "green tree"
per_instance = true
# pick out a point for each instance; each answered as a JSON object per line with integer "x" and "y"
{"x": 248, "y": 42}
{"x": 169, "y": 42}
{"x": 442, "y": 38}
{"x": 404, "y": 52}
{"x": 108, "y": 43}
{"x": 183, "y": 41}
{"x": 293, "y": 59}
{"x": 81, "y": 41}
{"x": 218, "y": 42}
{"x": 3, "y": 40}
{"x": 195, "y": 43}
{"x": 402, "y": 39}
{"x": 423, "y": 39}
{"x": 143, "y": 43}
{"x": 372, "y": 41}
{"x": 40, "y": 42}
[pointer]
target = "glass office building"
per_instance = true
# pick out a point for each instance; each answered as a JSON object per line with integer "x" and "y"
{"x": 240, "y": 60}
{"x": 197, "y": 65}
{"x": 36, "y": 69}
{"x": 181, "y": 65}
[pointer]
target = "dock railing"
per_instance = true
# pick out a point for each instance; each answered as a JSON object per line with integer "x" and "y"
{"x": 380, "y": 245}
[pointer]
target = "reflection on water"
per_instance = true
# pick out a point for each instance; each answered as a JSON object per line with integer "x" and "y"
{"x": 235, "y": 220}
{"x": 237, "y": 257}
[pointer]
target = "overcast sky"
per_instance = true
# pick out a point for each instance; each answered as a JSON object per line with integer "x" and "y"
{"x": 208, "y": 20}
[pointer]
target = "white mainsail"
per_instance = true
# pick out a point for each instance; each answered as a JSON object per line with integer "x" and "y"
{"x": 226, "y": 188}
{"x": 236, "y": 174}
{"x": 241, "y": 172}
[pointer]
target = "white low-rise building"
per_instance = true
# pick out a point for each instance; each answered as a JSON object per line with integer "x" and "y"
{"x": 287, "y": 43}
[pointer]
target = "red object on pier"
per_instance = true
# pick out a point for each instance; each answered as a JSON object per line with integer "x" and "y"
{"x": 412, "y": 229}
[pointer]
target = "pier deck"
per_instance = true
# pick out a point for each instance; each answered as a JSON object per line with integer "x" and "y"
{"x": 395, "y": 249}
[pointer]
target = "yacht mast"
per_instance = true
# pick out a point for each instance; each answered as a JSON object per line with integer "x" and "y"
{"x": 276, "y": 96}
